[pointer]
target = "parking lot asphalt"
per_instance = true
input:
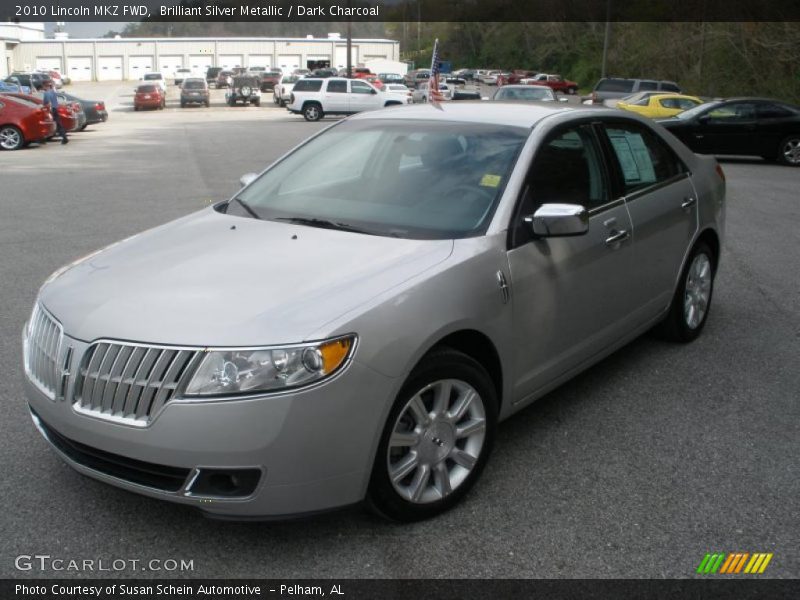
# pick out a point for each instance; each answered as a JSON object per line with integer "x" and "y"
{"x": 636, "y": 468}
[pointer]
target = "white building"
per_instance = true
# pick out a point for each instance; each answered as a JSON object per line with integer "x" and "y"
{"x": 117, "y": 59}
{"x": 11, "y": 34}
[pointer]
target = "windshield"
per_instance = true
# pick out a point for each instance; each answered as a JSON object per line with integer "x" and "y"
{"x": 404, "y": 178}
{"x": 524, "y": 93}
{"x": 693, "y": 112}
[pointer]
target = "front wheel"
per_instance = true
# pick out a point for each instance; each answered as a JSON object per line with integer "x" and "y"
{"x": 312, "y": 112}
{"x": 11, "y": 138}
{"x": 789, "y": 151}
{"x": 436, "y": 440}
{"x": 689, "y": 309}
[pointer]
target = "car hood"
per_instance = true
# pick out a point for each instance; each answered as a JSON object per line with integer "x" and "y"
{"x": 211, "y": 279}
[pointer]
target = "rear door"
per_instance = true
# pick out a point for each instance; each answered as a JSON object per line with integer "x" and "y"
{"x": 571, "y": 295}
{"x": 663, "y": 209}
{"x": 336, "y": 97}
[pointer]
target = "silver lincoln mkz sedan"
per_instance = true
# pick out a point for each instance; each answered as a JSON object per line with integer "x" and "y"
{"x": 353, "y": 323}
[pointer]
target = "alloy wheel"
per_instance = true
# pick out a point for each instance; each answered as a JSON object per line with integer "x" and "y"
{"x": 791, "y": 151}
{"x": 697, "y": 291}
{"x": 10, "y": 138}
{"x": 436, "y": 441}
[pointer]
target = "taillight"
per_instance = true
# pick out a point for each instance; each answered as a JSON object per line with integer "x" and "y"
{"x": 100, "y": 106}
{"x": 720, "y": 172}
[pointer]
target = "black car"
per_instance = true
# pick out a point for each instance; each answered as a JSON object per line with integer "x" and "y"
{"x": 211, "y": 75}
{"x": 741, "y": 126}
{"x": 32, "y": 80}
{"x": 95, "y": 109}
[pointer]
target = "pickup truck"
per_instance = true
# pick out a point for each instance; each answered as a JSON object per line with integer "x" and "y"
{"x": 554, "y": 82}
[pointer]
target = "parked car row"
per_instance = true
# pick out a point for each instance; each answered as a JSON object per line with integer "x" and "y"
{"x": 25, "y": 119}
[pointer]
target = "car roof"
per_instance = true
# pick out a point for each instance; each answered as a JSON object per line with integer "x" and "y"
{"x": 492, "y": 113}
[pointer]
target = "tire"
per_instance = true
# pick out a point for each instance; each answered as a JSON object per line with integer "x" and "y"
{"x": 281, "y": 102}
{"x": 11, "y": 138}
{"x": 208, "y": 103}
{"x": 83, "y": 127}
{"x": 572, "y": 91}
{"x": 446, "y": 465}
{"x": 681, "y": 324}
{"x": 312, "y": 112}
{"x": 135, "y": 109}
{"x": 183, "y": 104}
{"x": 789, "y": 151}
{"x": 257, "y": 103}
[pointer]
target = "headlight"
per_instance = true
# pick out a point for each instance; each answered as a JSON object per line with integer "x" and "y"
{"x": 254, "y": 370}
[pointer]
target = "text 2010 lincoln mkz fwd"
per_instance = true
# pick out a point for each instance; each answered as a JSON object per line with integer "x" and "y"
{"x": 353, "y": 324}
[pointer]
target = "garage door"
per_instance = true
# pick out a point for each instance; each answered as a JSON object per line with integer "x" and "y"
{"x": 169, "y": 64}
{"x": 318, "y": 61}
{"x": 260, "y": 60}
{"x": 228, "y": 61}
{"x": 79, "y": 68}
{"x": 109, "y": 68}
{"x": 48, "y": 63}
{"x": 199, "y": 63}
{"x": 288, "y": 62}
{"x": 341, "y": 57}
{"x": 138, "y": 66}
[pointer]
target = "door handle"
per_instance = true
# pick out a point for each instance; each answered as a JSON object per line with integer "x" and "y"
{"x": 689, "y": 202}
{"x": 619, "y": 236}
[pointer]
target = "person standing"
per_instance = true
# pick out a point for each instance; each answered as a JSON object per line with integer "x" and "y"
{"x": 50, "y": 99}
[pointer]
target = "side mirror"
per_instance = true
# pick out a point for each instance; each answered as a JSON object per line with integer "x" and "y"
{"x": 247, "y": 178}
{"x": 562, "y": 99}
{"x": 704, "y": 118}
{"x": 559, "y": 220}
{"x": 373, "y": 91}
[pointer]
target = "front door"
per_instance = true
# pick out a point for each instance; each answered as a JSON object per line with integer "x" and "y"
{"x": 571, "y": 295}
{"x": 729, "y": 129}
{"x": 362, "y": 96}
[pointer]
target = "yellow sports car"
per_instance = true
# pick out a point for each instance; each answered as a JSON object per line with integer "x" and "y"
{"x": 658, "y": 106}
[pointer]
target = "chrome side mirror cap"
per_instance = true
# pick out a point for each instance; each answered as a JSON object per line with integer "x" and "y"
{"x": 559, "y": 220}
{"x": 247, "y": 179}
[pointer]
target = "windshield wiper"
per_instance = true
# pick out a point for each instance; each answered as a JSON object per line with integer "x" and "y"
{"x": 322, "y": 224}
{"x": 247, "y": 207}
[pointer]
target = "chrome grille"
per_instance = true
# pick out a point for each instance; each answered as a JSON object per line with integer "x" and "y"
{"x": 127, "y": 382}
{"x": 42, "y": 350}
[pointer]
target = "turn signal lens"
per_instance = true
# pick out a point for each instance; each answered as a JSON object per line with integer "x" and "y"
{"x": 333, "y": 353}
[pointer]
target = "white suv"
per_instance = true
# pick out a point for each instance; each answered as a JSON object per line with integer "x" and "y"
{"x": 316, "y": 97}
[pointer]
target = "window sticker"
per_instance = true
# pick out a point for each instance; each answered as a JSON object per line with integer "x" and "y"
{"x": 489, "y": 180}
{"x": 634, "y": 158}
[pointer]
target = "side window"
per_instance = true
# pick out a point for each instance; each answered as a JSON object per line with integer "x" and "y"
{"x": 568, "y": 168}
{"x": 773, "y": 111}
{"x": 731, "y": 113}
{"x": 645, "y": 86}
{"x": 669, "y": 103}
{"x": 670, "y": 87}
{"x": 359, "y": 87}
{"x": 337, "y": 87}
{"x": 644, "y": 159}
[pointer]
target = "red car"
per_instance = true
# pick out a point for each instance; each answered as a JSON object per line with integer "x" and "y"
{"x": 69, "y": 119}
{"x": 518, "y": 75}
{"x": 555, "y": 83}
{"x": 149, "y": 96}
{"x": 23, "y": 122}
{"x": 374, "y": 80}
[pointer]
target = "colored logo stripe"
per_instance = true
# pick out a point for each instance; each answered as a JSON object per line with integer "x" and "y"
{"x": 734, "y": 563}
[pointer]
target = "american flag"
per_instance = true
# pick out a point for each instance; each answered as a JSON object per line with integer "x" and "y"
{"x": 434, "y": 95}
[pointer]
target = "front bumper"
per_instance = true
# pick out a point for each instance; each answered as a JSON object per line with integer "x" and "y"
{"x": 313, "y": 447}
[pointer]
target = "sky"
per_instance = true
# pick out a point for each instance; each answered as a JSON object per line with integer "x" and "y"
{"x": 85, "y": 29}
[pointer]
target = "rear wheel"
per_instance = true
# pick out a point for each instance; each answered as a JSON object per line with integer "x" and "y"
{"x": 436, "y": 440}
{"x": 789, "y": 151}
{"x": 11, "y": 138}
{"x": 689, "y": 309}
{"x": 312, "y": 112}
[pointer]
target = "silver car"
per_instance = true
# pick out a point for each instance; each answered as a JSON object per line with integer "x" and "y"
{"x": 354, "y": 323}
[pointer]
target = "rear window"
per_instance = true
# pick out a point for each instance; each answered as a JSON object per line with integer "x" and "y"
{"x": 308, "y": 85}
{"x": 146, "y": 89}
{"x": 194, "y": 85}
{"x": 153, "y": 77}
{"x": 648, "y": 85}
{"x": 615, "y": 85}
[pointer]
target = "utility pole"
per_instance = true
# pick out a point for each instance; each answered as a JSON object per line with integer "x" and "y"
{"x": 606, "y": 38}
{"x": 349, "y": 47}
